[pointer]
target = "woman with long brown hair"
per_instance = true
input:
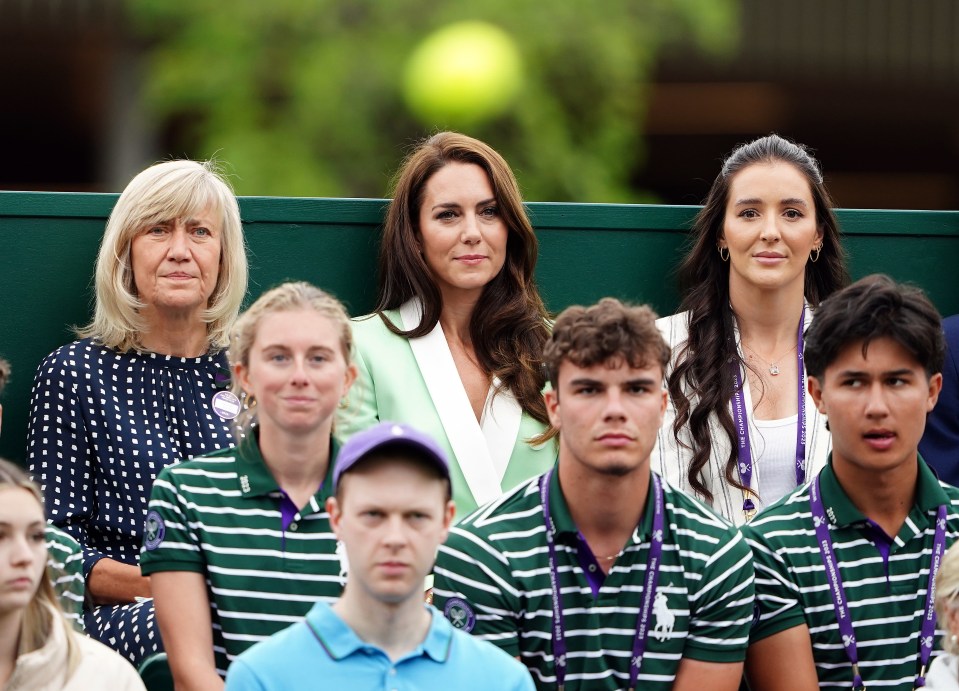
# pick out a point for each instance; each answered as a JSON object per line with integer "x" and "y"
{"x": 454, "y": 347}
{"x": 741, "y": 431}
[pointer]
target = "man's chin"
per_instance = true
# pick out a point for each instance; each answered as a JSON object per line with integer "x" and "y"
{"x": 617, "y": 469}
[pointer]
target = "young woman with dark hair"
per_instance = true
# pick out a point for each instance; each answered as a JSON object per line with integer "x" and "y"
{"x": 765, "y": 250}
{"x": 456, "y": 341}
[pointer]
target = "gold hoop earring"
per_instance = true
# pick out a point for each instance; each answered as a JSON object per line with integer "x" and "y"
{"x": 723, "y": 257}
{"x": 250, "y": 401}
{"x": 814, "y": 255}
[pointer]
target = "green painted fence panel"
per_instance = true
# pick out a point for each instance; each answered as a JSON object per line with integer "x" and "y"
{"x": 49, "y": 241}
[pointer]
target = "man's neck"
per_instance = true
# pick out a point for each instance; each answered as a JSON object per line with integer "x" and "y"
{"x": 394, "y": 628}
{"x": 605, "y": 508}
{"x": 885, "y": 497}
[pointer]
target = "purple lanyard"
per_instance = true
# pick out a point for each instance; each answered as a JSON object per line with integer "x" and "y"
{"x": 838, "y": 593}
{"x": 741, "y": 421}
{"x": 649, "y": 589}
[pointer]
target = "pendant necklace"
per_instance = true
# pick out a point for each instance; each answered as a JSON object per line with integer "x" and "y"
{"x": 774, "y": 365}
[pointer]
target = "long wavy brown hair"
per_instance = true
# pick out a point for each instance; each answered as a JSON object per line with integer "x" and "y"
{"x": 508, "y": 326}
{"x": 702, "y": 381}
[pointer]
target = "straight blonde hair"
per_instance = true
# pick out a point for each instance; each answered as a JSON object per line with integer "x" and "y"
{"x": 161, "y": 193}
{"x": 283, "y": 298}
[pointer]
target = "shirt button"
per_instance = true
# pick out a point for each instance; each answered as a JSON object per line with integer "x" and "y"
{"x": 393, "y": 672}
{"x": 292, "y": 526}
{"x": 592, "y": 567}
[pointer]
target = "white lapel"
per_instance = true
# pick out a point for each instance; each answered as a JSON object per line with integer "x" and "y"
{"x": 502, "y": 416}
{"x": 469, "y": 441}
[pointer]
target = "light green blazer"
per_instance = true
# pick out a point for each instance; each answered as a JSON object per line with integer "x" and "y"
{"x": 409, "y": 380}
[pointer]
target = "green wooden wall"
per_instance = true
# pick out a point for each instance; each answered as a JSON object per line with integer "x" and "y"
{"x": 49, "y": 241}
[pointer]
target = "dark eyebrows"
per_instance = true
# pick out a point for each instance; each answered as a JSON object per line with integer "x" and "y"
{"x": 860, "y": 374}
{"x": 455, "y": 205}
{"x": 644, "y": 381}
{"x": 788, "y": 201}
{"x": 585, "y": 381}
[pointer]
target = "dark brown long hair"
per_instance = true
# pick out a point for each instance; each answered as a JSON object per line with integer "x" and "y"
{"x": 508, "y": 325}
{"x": 702, "y": 367}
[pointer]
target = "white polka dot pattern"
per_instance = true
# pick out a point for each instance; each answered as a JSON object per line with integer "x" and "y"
{"x": 103, "y": 424}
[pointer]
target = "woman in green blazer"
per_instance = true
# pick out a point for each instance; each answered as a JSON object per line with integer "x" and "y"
{"x": 454, "y": 347}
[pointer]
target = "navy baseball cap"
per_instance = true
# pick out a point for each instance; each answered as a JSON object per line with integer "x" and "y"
{"x": 389, "y": 435}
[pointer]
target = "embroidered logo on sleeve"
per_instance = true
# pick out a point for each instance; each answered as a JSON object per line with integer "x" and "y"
{"x": 460, "y": 614}
{"x": 153, "y": 530}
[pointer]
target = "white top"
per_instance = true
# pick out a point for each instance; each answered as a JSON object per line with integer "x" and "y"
{"x": 775, "y": 462}
{"x": 671, "y": 459}
{"x": 943, "y": 672}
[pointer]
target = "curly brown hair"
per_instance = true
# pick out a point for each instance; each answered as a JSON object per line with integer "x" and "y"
{"x": 702, "y": 382}
{"x": 608, "y": 330}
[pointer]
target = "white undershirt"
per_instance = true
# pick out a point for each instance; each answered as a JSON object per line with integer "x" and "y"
{"x": 775, "y": 452}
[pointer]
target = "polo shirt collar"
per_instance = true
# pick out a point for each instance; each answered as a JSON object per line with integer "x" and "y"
{"x": 841, "y": 511}
{"x": 563, "y": 520}
{"x": 256, "y": 480}
{"x": 340, "y": 641}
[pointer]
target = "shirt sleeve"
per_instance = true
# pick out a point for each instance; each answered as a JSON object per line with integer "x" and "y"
{"x": 778, "y": 605}
{"x": 721, "y": 608}
{"x": 58, "y": 452}
{"x": 359, "y": 411}
{"x": 169, "y": 543}
{"x": 65, "y": 566}
{"x": 474, "y": 588}
{"x": 241, "y": 677}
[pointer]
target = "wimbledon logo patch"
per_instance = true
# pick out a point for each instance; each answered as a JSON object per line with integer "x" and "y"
{"x": 460, "y": 614}
{"x": 153, "y": 530}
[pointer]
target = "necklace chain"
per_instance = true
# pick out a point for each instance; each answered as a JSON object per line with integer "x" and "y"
{"x": 774, "y": 365}
{"x": 612, "y": 556}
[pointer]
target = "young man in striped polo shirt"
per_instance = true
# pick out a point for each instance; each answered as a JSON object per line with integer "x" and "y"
{"x": 845, "y": 564}
{"x": 598, "y": 575}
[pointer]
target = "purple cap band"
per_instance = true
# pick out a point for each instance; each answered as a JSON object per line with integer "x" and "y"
{"x": 385, "y": 434}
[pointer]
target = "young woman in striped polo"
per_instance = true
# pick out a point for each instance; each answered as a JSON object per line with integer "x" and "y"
{"x": 238, "y": 543}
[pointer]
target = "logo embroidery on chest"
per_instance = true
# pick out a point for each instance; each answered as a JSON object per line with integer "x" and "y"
{"x": 665, "y": 620}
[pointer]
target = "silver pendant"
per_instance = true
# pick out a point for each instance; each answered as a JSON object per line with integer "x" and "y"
{"x": 774, "y": 369}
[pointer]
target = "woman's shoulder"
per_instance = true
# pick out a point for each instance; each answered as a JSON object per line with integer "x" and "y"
{"x": 674, "y": 328}
{"x": 372, "y": 328}
{"x": 102, "y": 668}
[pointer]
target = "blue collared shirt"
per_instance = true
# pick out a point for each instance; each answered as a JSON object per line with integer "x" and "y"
{"x": 322, "y": 652}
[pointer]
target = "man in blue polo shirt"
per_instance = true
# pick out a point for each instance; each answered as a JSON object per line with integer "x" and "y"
{"x": 391, "y": 511}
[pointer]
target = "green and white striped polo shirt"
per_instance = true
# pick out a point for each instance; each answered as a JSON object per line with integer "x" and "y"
{"x": 492, "y": 576}
{"x": 886, "y": 596}
{"x": 219, "y": 515}
{"x": 65, "y": 567}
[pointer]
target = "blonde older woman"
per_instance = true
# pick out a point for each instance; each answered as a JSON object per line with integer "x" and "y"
{"x": 138, "y": 391}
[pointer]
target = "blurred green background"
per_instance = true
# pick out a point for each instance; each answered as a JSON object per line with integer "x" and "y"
{"x": 304, "y": 98}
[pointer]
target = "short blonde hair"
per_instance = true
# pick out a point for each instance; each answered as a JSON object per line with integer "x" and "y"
{"x": 43, "y": 611}
{"x": 163, "y": 192}
{"x": 283, "y": 298}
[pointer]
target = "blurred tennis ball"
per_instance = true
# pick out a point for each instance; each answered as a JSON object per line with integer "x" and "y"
{"x": 463, "y": 74}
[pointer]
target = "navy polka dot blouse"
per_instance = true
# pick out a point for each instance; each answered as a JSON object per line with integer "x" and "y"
{"x": 102, "y": 426}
